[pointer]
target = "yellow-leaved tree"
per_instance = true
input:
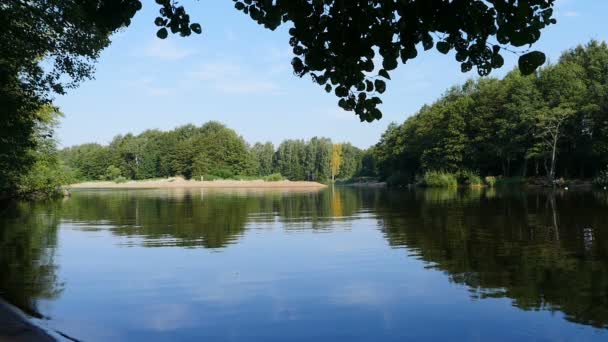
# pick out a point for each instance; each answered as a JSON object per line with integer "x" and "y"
{"x": 336, "y": 160}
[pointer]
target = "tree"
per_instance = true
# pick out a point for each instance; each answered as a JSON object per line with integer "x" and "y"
{"x": 563, "y": 89}
{"x": 351, "y": 161}
{"x": 336, "y": 160}
{"x": 47, "y": 47}
{"x": 264, "y": 154}
{"x": 555, "y": 117}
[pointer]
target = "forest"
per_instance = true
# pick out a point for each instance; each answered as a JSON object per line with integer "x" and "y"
{"x": 553, "y": 124}
{"x": 211, "y": 151}
{"x": 550, "y": 125}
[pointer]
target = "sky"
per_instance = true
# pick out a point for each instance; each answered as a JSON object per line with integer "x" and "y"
{"x": 239, "y": 73}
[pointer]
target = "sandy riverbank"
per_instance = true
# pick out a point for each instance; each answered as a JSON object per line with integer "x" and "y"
{"x": 173, "y": 183}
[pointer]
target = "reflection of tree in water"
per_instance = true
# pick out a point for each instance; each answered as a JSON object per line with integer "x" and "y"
{"x": 195, "y": 218}
{"x": 544, "y": 251}
{"x": 28, "y": 237}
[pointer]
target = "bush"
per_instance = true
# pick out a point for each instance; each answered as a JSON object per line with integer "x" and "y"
{"x": 490, "y": 181}
{"x": 112, "y": 172}
{"x": 439, "y": 179}
{"x": 602, "y": 179}
{"x": 275, "y": 177}
{"x": 469, "y": 178}
{"x": 120, "y": 179}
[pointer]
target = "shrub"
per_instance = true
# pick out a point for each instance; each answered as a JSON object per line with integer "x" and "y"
{"x": 439, "y": 179}
{"x": 223, "y": 173}
{"x": 490, "y": 181}
{"x": 469, "y": 178}
{"x": 602, "y": 178}
{"x": 112, "y": 172}
{"x": 120, "y": 179}
{"x": 275, "y": 177}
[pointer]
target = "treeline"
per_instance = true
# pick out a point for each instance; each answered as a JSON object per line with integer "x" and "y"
{"x": 210, "y": 152}
{"x": 553, "y": 123}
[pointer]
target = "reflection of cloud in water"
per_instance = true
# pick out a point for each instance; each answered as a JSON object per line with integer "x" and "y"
{"x": 362, "y": 293}
{"x": 166, "y": 317}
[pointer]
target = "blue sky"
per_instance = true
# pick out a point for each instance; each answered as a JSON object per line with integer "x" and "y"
{"x": 239, "y": 73}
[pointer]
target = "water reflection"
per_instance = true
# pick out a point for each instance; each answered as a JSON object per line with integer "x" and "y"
{"x": 543, "y": 251}
{"x": 28, "y": 238}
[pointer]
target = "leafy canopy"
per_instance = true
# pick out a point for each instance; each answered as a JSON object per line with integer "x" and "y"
{"x": 336, "y": 42}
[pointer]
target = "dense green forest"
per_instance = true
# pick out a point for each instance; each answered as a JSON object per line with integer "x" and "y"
{"x": 550, "y": 124}
{"x": 553, "y": 123}
{"x": 210, "y": 152}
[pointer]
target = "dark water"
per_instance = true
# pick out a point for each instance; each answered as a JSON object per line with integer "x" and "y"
{"x": 348, "y": 264}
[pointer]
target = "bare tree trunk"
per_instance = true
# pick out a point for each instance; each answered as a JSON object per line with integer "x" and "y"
{"x": 524, "y": 171}
{"x": 553, "y": 153}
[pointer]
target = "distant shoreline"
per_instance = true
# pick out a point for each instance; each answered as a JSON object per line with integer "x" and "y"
{"x": 174, "y": 183}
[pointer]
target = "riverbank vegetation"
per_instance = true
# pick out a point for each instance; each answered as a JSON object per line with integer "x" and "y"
{"x": 487, "y": 132}
{"x": 210, "y": 152}
{"x": 549, "y": 124}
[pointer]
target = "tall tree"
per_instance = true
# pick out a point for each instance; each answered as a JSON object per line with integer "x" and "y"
{"x": 336, "y": 160}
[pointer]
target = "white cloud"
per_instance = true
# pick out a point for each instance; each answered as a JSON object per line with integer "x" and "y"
{"x": 231, "y": 78}
{"x": 166, "y": 49}
{"x": 571, "y": 14}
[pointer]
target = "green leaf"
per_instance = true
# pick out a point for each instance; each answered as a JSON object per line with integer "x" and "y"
{"x": 380, "y": 86}
{"x": 162, "y": 33}
{"x": 389, "y": 63}
{"x": 529, "y": 62}
{"x": 443, "y": 47}
{"x": 341, "y": 91}
{"x": 196, "y": 28}
{"x": 384, "y": 74}
{"x": 497, "y": 61}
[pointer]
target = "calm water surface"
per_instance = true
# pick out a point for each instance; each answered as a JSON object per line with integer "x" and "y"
{"x": 342, "y": 264}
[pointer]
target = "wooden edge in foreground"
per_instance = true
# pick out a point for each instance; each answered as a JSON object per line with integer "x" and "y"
{"x": 16, "y": 326}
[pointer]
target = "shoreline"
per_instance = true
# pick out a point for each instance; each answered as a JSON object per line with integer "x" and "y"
{"x": 174, "y": 183}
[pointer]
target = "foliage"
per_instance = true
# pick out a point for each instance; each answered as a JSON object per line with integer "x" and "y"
{"x": 112, "y": 172}
{"x": 469, "y": 178}
{"x": 336, "y": 41}
{"x": 212, "y": 151}
{"x": 47, "y": 174}
{"x": 601, "y": 180}
{"x": 47, "y": 47}
{"x": 546, "y": 124}
{"x": 275, "y": 177}
{"x": 336, "y": 160}
{"x": 490, "y": 181}
{"x": 120, "y": 179}
{"x": 439, "y": 179}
